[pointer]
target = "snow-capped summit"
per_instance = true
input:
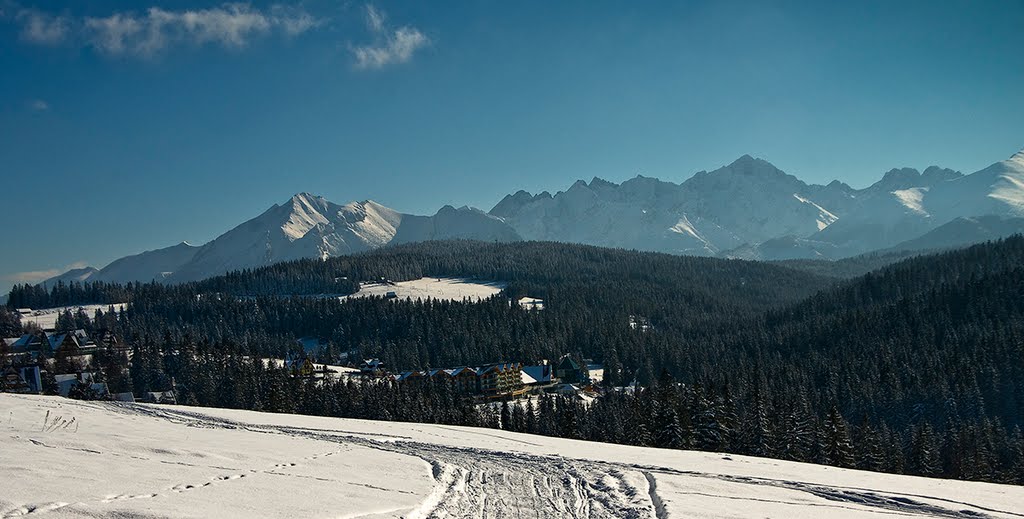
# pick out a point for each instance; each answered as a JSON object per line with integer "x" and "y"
{"x": 748, "y": 208}
{"x": 1018, "y": 157}
{"x": 310, "y": 226}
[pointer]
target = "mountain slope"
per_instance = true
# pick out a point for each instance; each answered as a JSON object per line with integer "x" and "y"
{"x": 309, "y": 226}
{"x": 887, "y": 217}
{"x": 73, "y": 275}
{"x": 748, "y": 209}
{"x": 147, "y": 266}
{"x": 747, "y": 202}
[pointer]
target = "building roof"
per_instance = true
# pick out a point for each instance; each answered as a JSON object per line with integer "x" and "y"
{"x": 571, "y": 363}
{"x": 541, "y": 373}
{"x": 58, "y": 339}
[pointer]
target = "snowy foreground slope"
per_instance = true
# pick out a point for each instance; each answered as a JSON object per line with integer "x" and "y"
{"x": 64, "y": 458}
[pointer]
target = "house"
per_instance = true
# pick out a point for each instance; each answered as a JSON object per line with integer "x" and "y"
{"x": 67, "y": 341}
{"x": 29, "y": 342}
{"x": 160, "y": 397}
{"x": 7, "y": 344}
{"x": 84, "y": 341}
{"x": 372, "y": 367}
{"x": 501, "y": 379}
{"x": 66, "y": 384}
{"x": 569, "y": 371}
{"x": 24, "y": 312}
{"x": 391, "y": 295}
{"x": 123, "y": 397}
{"x": 540, "y": 374}
{"x": 25, "y": 379}
{"x": 530, "y": 303}
{"x": 301, "y": 367}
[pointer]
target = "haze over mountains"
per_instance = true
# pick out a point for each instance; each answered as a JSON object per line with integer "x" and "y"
{"x": 748, "y": 209}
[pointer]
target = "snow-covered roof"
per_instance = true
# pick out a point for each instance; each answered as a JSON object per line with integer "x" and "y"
{"x": 541, "y": 373}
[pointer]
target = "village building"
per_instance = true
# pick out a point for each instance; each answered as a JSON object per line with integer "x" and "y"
{"x": 373, "y": 367}
{"x": 539, "y": 375}
{"x": 530, "y": 303}
{"x": 501, "y": 379}
{"x": 464, "y": 380}
{"x": 67, "y": 341}
{"x": 29, "y": 342}
{"x": 414, "y": 379}
{"x": 300, "y": 367}
{"x": 25, "y": 379}
{"x": 570, "y": 372}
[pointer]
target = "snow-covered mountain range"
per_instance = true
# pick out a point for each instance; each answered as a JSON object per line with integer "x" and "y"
{"x": 747, "y": 209}
{"x": 306, "y": 226}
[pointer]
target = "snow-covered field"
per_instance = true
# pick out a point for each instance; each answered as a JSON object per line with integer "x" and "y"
{"x": 449, "y": 289}
{"x": 47, "y": 318}
{"x": 65, "y": 458}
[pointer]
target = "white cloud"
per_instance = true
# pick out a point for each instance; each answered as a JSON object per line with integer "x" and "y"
{"x": 42, "y": 28}
{"x": 390, "y": 46}
{"x": 145, "y": 34}
{"x": 112, "y": 34}
{"x": 39, "y": 105}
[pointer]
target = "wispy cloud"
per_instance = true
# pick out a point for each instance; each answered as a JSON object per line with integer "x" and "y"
{"x": 35, "y": 276}
{"x": 151, "y": 32}
{"x": 390, "y": 46}
{"x": 39, "y": 105}
{"x": 43, "y": 28}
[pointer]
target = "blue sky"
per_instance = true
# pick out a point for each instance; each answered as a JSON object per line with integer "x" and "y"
{"x": 127, "y": 126}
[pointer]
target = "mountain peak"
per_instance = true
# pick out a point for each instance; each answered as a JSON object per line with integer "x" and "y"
{"x": 1018, "y": 157}
{"x": 745, "y": 159}
{"x": 305, "y": 197}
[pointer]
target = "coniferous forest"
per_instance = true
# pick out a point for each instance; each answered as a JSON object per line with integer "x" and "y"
{"x": 915, "y": 368}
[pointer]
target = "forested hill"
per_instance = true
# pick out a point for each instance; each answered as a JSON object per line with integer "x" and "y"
{"x": 916, "y": 368}
{"x": 534, "y": 267}
{"x": 531, "y": 267}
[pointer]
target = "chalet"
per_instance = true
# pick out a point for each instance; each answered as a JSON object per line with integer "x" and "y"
{"x": 67, "y": 341}
{"x": 300, "y": 367}
{"x": 25, "y": 379}
{"x": 160, "y": 397}
{"x": 502, "y": 379}
{"x": 569, "y": 371}
{"x": 123, "y": 397}
{"x": 29, "y": 342}
{"x": 391, "y": 295}
{"x": 24, "y": 312}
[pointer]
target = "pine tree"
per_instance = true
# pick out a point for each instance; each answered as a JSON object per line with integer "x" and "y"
{"x": 838, "y": 450}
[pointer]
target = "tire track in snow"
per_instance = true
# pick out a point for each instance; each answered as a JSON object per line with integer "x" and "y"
{"x": 480, "y": 483}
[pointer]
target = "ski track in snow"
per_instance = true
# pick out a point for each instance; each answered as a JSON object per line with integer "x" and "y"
{"x": 480, "y": 483}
